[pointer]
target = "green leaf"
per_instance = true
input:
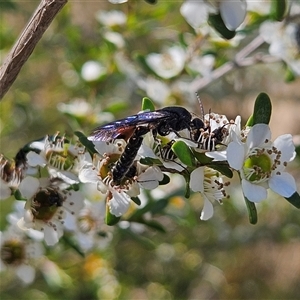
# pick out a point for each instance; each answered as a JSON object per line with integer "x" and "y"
{"x": 262, "y": 109}
{"x": 252, "y": 213}
{"x": 184, "y": 153}
{"x": 187, "y": 177}
{"x": 158, "y": 206}
{"x": 147, "y": 104}
{"x": 250, "y": 121}
{"x": 165, "y": 180}
{"x": 151, "y": 1}
{"x": 278, "y": 9}
{"x": 294, "y": 200}
{"x": 111, "y": 219}
{"x": 223, "y": 169}
{"x": 136, "y": 200}
{"x": 72, "y": 244}
{"x": 149, "y": 161}
{"x": 145, "y": 242}
{"x": 217, "y": 23}
{"x": 85, "y": 142}
{"x": 154, "y": 225}
{"x": 202, "y": 158}
{"x": 18, "y": 196}
{"x": 289, "y": 75}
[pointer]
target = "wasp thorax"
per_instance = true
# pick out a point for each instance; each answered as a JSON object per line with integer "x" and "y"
{"x": 46, "y": 203}
{"x": 13, "y": 252}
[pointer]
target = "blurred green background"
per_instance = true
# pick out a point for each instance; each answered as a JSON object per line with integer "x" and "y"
{"x": 223, "y": 258}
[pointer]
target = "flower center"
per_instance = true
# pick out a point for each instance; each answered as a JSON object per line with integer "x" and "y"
{"x": 13, "y": 252}
{"x": 258, "y": 166}
{"x": 45, "y": 204}
{"x": 63, "y": 160}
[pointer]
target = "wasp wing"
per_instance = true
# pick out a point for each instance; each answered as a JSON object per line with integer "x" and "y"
{"x": 125, "y": 127}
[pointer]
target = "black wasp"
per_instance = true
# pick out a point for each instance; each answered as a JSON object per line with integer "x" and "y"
{"x": 133, "y": 128}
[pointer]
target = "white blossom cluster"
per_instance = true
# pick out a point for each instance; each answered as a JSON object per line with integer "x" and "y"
{"x": 62, "y": 188}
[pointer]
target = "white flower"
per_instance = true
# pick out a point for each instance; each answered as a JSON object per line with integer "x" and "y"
{"x": 283, "y": 38}
{"x": 99, "y": 173}
{"x": 261, "y": 163}
{"x": 88, "y": 227}
{"x": 202, "y": 64}
{"x": 115, "y": 38}
{"x": 77, "y": 107}
{"x": 169, "y": 64}
{"x": 209, "y": 183}
{"x": 62, "y": 159}
{"x": 111, "y": 18}
{"x": 117, "y": 1}
{"x": 17, "y": 252}
{"x": 92, "y": 70}
{"x": 10, "y": 177}
{"x": 196, "y": 13}
{"x": 46, "y": 207}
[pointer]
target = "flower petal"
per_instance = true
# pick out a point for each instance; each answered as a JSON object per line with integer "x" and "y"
{"x": 29, "y": 186}
{"x": 258, "y": 134}
{"x": 5, "y": 191}
{"x": 50, "y": 235}
{"x": 235, "y": 155}
{"x": 207, "y": 211}
{"x": 233, "y": 13}
{"x": 26, "y": 273}
{"x": 194, "y": 12}
{"x": 285, "y": 144}
{"x": 119, "y": 204}
{"x": 196, "y": 181}
{"x": 88, "y": 174}
{"x": 34, "y": 159}
{"x": 283, "y": 184}
{"x": 253, "y": 192}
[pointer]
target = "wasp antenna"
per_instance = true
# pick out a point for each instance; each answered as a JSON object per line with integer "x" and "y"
{"x": 201, "y": 105}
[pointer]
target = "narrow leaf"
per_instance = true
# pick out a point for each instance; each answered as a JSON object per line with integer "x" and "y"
{"x": 151, "y": 1}
{"x": 217, "y": 23}
{"x": 250, "y": 121}
{"x": 184, "y": 153}
{"x": 136, "y": 200}
{"x": 165, "y": 180}
{"x": 252, "y": 213}
{"x": 202, "y": 158}
{"x": 223, "y": 169}
{"x": 18, "y": 196}
{"x": 85, "y": 142}
{"x": 294, "y": 200}
{"x": 262, "y": 109}
{"x": 154, "y": 225}
{"x": 278, "y": 9}
{"x": 147, "y": 104}
{"x": 111, "y": 219}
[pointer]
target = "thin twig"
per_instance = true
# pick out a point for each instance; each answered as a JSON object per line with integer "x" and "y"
{"x": 34, "y": 30}
{"x": 240, "y": 60}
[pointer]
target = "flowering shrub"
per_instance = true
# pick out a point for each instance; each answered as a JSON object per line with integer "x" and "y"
{"x": 74, "y": 188}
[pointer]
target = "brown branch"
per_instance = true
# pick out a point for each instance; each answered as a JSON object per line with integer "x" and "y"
{"x": 34, "y": 30}
{"x": 240, "y": 60}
